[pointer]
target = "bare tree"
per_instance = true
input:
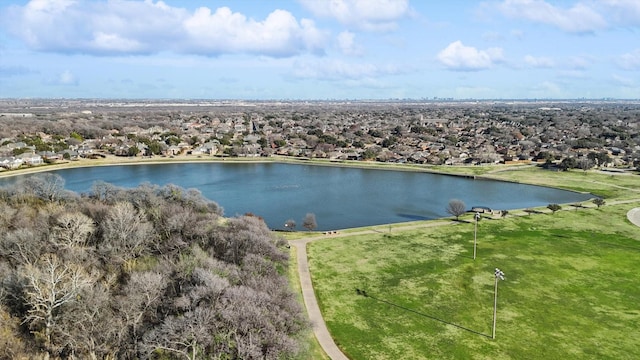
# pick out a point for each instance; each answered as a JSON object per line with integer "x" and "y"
{"x": 91, "y": 327}
{"x": 222, "y": 294}
{"x": 72, "y": 229}
{"x": 104, "y": 191}
{"x": 186, "y": 335}
{"x": 22, "y": 246}
{"x": 290, "y": 224}
{"x": 456, "y": 208}
{"x": 309, "y": 222}
{"x": 50, "y": 285}
{"x": 126, "y": 231}
{"x": 139, "y": 301}
{"x": 244, "y": 235}
{"x": 6, "y": 214}
{"x": 47, "y": 186}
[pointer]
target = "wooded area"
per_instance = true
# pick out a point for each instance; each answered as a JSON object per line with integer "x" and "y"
{"x": 151, "y": 273}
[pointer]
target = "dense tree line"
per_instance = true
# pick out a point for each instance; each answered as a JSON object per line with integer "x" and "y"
{"x": 145, "y": 273}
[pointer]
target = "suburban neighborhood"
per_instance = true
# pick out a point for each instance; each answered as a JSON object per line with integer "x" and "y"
{"x": 571, "y": 134}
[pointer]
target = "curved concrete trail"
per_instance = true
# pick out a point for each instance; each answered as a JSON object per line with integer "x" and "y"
{"x": 313, "y": 309}
{"x": 310, "y": 301}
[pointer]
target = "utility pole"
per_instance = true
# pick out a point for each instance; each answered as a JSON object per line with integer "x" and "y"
{"x": 499, "y": 275}
{"x": 475, "y": 234}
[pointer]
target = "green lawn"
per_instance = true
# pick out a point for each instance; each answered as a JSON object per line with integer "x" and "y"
{"x": 572, "y": 289}
{"x": 608, "y": 186}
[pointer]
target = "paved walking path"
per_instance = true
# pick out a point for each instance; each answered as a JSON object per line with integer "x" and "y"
{"x": 315, "y": 316}
{"x": 313, "y": 309}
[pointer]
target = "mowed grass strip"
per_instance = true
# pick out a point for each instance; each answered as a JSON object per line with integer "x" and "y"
{"x": 572, "y": 289}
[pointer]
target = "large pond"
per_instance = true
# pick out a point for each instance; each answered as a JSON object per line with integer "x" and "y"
{"x": 340, "y": 197}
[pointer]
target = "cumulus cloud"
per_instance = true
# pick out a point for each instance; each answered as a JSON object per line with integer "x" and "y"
{"x": 280, "y": 34}
{"x": 630, "y": 61}
{"x": 579, "y": 18}
{"x": 370, "y": 15}
{"x": 457, "y": 56}
{"x": 538, "y": 62}
{"x": 135, "y": 27}
{"x": 348, "y": 45}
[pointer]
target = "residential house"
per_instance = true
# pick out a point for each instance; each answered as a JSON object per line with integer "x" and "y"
{"x": 11, "y": 162}
{"x": 31, "y": 159}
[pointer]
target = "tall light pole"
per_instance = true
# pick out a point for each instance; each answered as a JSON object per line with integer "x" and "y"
{"x": 475, "y": 234}
{"x": 499, "y": 275}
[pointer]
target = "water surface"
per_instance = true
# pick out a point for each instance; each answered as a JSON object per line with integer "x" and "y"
{"x": 340, "y": 197}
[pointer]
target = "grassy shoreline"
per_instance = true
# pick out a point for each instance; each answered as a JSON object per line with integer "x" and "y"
{"x": 571, "y": 290}
{"x": 110, "y": 160}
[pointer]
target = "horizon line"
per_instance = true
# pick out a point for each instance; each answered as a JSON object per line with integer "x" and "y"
{"x": 423, "y": 99}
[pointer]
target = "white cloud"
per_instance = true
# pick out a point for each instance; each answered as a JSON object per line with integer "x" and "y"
{"x": 573, "y": 74}
{"x": 630, "y": 61}
{"x": 623, "y": 81}
{"x": 580, "y": 18}
{"x": 114, "y": 43}
{"x": 370, "y": 15}
{"x": 135, "y": 27}
{"x": 279, "y": 34}
{"x": 327, "y": 69}
{"x": 347, "y": 44}
{"x": 623, "y": 12}
{"x": 538, "y": 62}
{"x": 457, "y": 56}
{"x": 579, "y": 63}
{"x": 65, "y": 78}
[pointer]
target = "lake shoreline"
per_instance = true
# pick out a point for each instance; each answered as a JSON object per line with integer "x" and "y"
{"x": 112, "y": 160}
{"x": 398, "y": 198}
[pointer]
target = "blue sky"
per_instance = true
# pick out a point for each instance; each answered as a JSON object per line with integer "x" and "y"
{"x": 320, "y": 49}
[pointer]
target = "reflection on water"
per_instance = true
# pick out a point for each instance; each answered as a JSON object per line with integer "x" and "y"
{"x": 339, "y": 197}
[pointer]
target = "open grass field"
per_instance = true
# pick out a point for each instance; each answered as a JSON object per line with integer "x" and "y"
{"x": 572, "y": 289}
{"x": 608, "y": 186}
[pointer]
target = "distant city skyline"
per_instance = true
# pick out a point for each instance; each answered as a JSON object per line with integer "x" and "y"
{"x": 320, "y": 49}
